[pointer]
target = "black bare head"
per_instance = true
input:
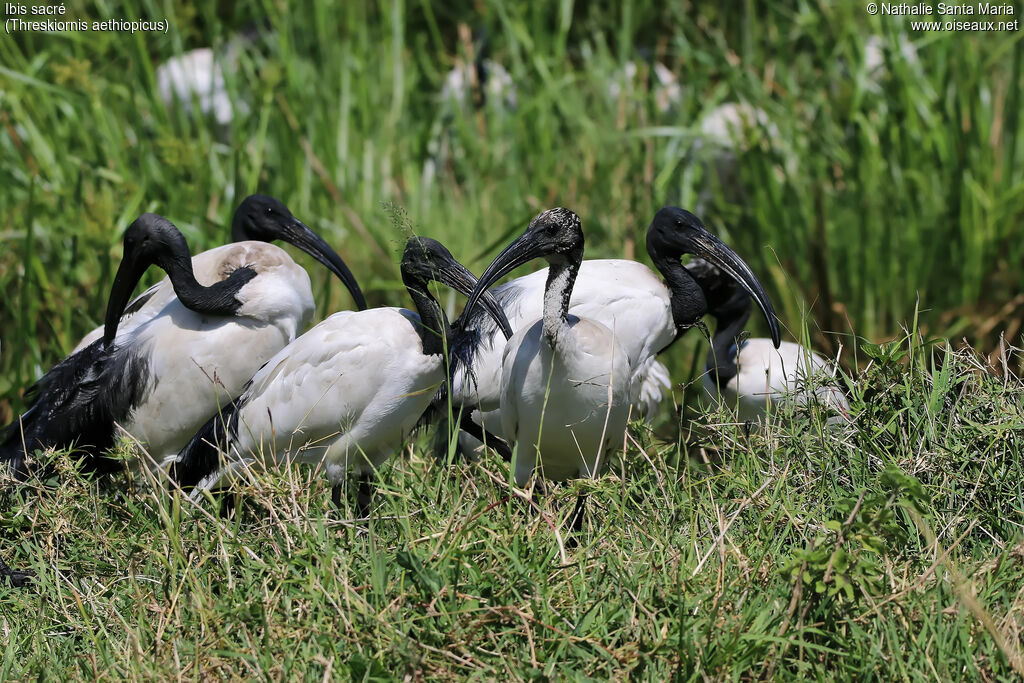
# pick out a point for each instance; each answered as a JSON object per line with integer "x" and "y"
{"x": 675, "y": 232}
{"x": 555, "y": 235}
{"x": 266, "y": 219}
{"x": 150, "y": 240}
{"x": 426, "y": 260}
{"x": 153, "y": 240}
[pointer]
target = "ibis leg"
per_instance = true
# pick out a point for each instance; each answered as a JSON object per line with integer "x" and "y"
{"x": 336, "y": 495}
{"x": 442, "y": 436}
{"x": 227, "y": 502}
{"x": 364, "y": 498}
{"x": 576, "y": 521}
{"x": 467, "y": 425}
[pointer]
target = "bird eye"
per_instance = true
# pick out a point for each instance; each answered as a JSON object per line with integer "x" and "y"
{"x": 270, "y": 210}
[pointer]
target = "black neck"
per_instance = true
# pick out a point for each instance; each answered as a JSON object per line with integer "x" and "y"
{"x": 730, "y": 320}
{"x": 557, "y": 293}
{"x": 689, "y": 304}
{"x": 434, "y": 328}
{"x": 217, "y": 299}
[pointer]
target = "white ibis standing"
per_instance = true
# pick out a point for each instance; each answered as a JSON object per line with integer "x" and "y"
{"x": 162, "y": 378}
{"x": 346, "y": 393}
{"x": 754, "y": 375}
{"x": 565, "y": 380}
{"x": 646, "y": 313}
{"x": 259, "y": 218}
{"x": 876, "y": 58}
{"x": 197, "y": 73}
{"x": 477, "y": 85}
{"x": 494, "y": 82}
{"x": 663, "y": 84}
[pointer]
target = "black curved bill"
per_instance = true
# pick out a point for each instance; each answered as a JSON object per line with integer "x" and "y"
{"x": 127, "y": 278}
{"x": 713, "y": 250}
{"x": 303, "y": 237}
{"x": 458, "y": 277}
{"x": 523, "y": 250}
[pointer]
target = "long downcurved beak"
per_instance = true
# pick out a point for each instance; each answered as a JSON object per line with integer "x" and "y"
{"x": 303, "y": 237}
{"x": 716, "y": 252}
{"x": 458, "y": 277}
{"x": 523, "y": 250}
{"x": 128, "y": 275}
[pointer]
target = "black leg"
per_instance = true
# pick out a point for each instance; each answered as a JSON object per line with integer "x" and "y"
{"x": 336, "y": 495}
{"x": 17, "y": 579}
{"x": 364, "y": 499}
{"x": 442, "y": 437}
{"x": 227, "y": 503}
{"x": 576, "y": 521}
{"x": 467, "y": 425}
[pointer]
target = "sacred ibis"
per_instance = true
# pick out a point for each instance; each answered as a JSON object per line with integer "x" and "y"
{"x": 754, "y": 375}
{"x": 646, "y": 313}
{"x": 259, "y": 218}
{"x": 485, "y": 76}
{"x": 202, "y": 75}
{"x": 880, "y": 52}
{"x": 161, "y": 379}
{"x": 565, "y": 380}
{"x": 199, "y": 73}
{"x": 346, "y": 393}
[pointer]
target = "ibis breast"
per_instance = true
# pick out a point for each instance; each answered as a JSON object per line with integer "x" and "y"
{"x": 626, "y": 297}
{"x": 565, "y": 405}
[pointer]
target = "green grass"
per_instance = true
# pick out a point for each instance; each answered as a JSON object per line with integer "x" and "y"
{"x": 886, "y": 548}
{"x": 872, "y": 209}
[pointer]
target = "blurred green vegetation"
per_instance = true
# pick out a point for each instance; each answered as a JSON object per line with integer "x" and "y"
{"x": 867, "y": 191}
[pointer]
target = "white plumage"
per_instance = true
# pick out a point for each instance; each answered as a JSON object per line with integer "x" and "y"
{"x": 491, "y": 78}
{"x": 285, "y": 292}
{"x": 565, "y": 380}
{"x": 622, "y": 295}
{"x": 199, "y": 74}
{"x": 566, "y": 404}
{"x": 345, "y": 394}
{"x": 664, "y": 85}
{"x": 770, "y": 378}
{"x": 645, "y": 312}
{"x": 258, "y": 219}
{"x": 755, "y": 375}
{"x": 162, "y": 376}
{"x": 198, "y": 362}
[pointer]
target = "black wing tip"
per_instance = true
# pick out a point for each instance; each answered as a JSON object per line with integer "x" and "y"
{"x": 201, "y": 455}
